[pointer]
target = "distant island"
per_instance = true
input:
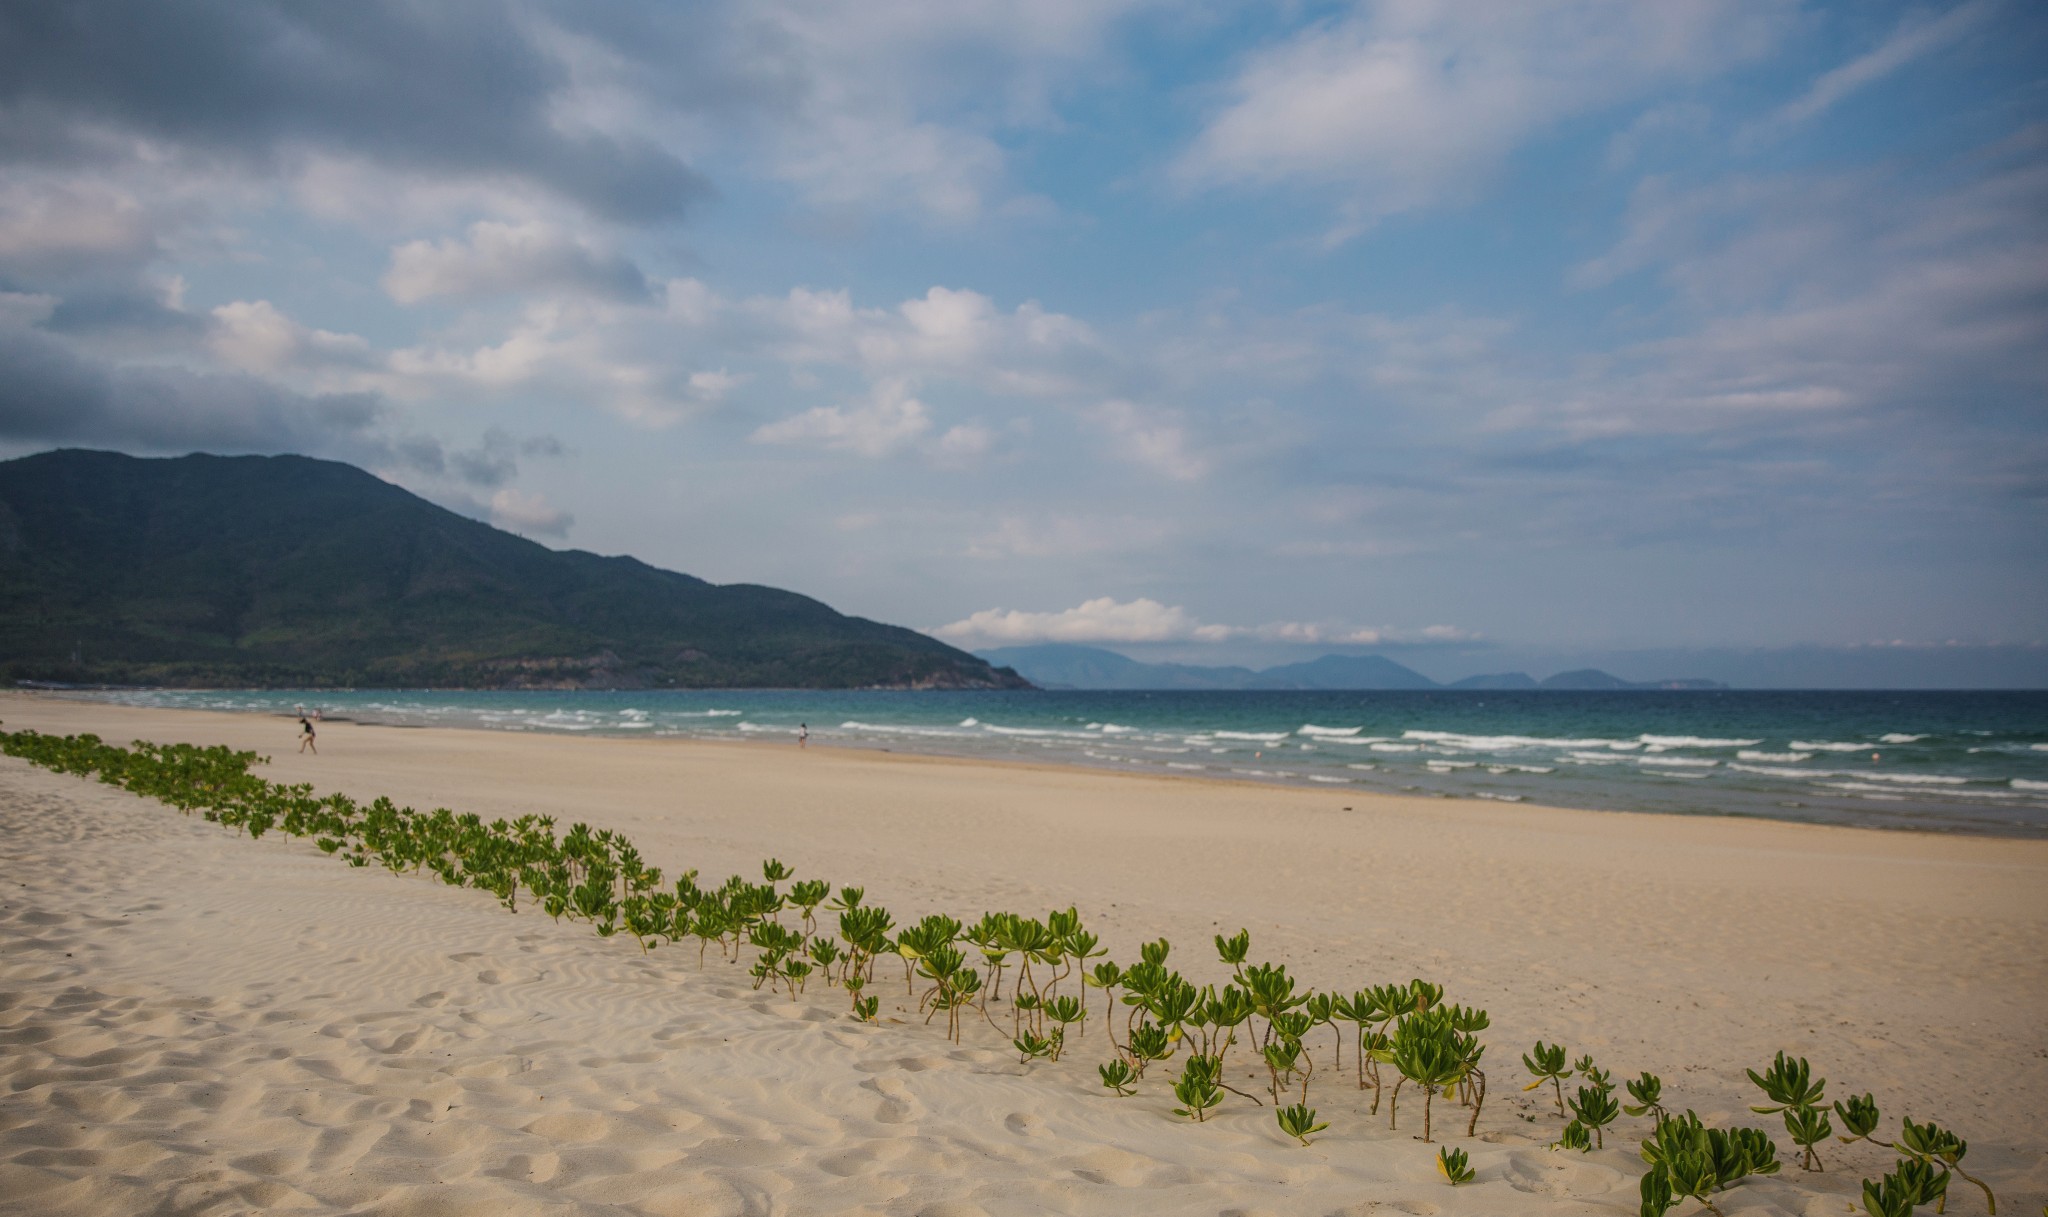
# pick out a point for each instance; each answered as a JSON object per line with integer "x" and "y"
{"x": 1067, "y": 666}
{"x": 273, "y": 572}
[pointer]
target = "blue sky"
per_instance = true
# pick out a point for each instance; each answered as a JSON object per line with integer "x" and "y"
{"x": 1222, "y": 332}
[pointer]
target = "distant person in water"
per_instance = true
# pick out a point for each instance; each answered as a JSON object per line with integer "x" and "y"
{"x": 306, "y": 736}
{"x": 803, "y": 735}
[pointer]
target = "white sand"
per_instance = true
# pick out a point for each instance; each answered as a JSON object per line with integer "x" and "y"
{"x": 194, "y": 1022}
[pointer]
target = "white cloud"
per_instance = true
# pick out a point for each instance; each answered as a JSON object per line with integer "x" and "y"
{"x": 522, "y": 512}
{"x": 253, "y": 336}
{"x": 881, "y": 426}
{"x": 500, "y": 258}
{"x": 1106, "y": 619}
{"x": 1404, "y": 102}
{"x": 1148, "y": 438}
{"x": 1918, "y": 35}
{"x": 1103, "y": 619}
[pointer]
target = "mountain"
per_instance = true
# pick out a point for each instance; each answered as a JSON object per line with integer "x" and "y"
{"x": 1344, "y": 672}
{"x": 288, "y": 571}
{"x": 1063, "y": 665}
{"x": 1059, "y": 665}
{"x": 1595, "y": 679}
{"x": 1498, "y": 681}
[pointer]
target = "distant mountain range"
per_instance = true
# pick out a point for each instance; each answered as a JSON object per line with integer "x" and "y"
{"x": 288, "y": 571}
{"x": 1066, "y": 666}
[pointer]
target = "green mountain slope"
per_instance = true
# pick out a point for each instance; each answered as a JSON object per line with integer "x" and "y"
{"x": 206, "y": 570}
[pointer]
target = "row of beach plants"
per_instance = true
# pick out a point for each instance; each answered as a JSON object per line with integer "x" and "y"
{"x": 1045, "y": 986}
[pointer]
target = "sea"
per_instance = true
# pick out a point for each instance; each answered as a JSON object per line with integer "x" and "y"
{"x": 1965, "y": 762}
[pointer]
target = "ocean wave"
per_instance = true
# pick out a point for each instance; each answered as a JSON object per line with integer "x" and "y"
{"x": 1500, "y": 743}
{"x": 1900, "y": 737}
{"x": 970, "y": 722}
{"x": 1183, "y": 765}
{"x": 1317, "y": 777}
{"x": 1262, "y": 737}
{"x": 1695, "y": 741}
{"x": 1397, "y": 747}
{"x": 1520, "y": 769}
{"x": 1116, "y": 729}
{"x": 1827, "y": 746}
{"x": 1498, "y": 798}
{"x": 1974, "y": 794}
{"x": 1333, "y": 732}
{"x": 1681, "y": 761}
{"x": 1747, "y": 755}
{"x": 1368, "y": 768}
{"x": 1449, "y": 766}
{"x": 1035, "y": 732}
{"x": 1774, "y": 772}
{"x": 1595, "y": 758}
{"x": 888, "y": 729}
{"x": 2024, "y": 784}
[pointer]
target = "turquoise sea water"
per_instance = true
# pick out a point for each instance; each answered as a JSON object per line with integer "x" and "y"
{"x": 1959, "y": 762}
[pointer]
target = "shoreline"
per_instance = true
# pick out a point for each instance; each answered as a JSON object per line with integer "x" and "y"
{"x": 1891, "y": 806}
{"x": 1688, "y": 946}
{"x": 1052, "y": 765}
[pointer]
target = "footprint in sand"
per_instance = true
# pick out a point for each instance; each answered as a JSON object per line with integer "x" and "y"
{"x": 430, "y": 1000}
{"x": 489, "y": 976}
{"x": 898, "y": 1105}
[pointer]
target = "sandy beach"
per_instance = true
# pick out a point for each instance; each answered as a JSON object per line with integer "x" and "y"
{"x": 199, "y": 1023}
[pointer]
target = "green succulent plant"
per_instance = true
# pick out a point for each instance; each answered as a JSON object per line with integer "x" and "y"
{"x": 1452, "y": 1165}
{"x": 1197, "y": 1087}
{"x": 1574, "y": 1136}
{"x": 1594, "y": 1108}
{"x": 1937, "y": 1146}
{"x": 1647, "y": 1091}
{"x": 1117, "y": 1076}
{"x": 1299, "y": 1122}
{"x": 1912, "y": 1182}
{"x": 1545, "y": 1062}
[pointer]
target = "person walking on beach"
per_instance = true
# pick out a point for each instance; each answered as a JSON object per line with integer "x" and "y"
{"x": 306, "y": 736}
{"x": 803, "y": 735}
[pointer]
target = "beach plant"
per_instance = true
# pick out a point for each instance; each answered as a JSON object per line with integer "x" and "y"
{"x": 1648, "y": 1092}
{"x": 1232, "y": 950}
{"x": 1031, "y": 1046}
{"x": 1545, "y": 1062}
{"x": 1574, "y": 1136}
{"x": 1452, "y": 1164}
{"x": 1693, "y": 1160}
{"x": 1299, "y": 1122}
{"x": 1912, "y": 1182}
{"x": 1936, "y": 1146}
{"x": 1429, "y": 1050}
{"x": 1118, "y": 1076}
{"x": 1793, "y": 1090}
{"x": 1197, "y": 1087}
{"x": 1595, "y": 1108}
{"x": 1149, "y": 1042}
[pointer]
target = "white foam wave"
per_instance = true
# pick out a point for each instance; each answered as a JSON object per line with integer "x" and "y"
{"x": 1595, "y": 758}
{"x": 1397, "y": 747}
{"x": 970, "y": 722}
{"x": 882, "y": 729}
{"x": 2024, "y": 784}
{"x": 1827, "y": 746}
{"x": 1974, "y": 794}
{"x": 1317, "y": 777}
{"x": 1748, "y": 755}
{"x": 1448, "y": 766}
{"x": 1368, "y": 768}
{"x": 1900, "y": 737}
{"x": 1500, "y": 743}
{"x": 1360, "y": 740}
{"x": 1116, "y": 729}
{"x": 1498, "y": 798}
{"x": 1695, "y": 741}
{"x": 2038, "y": 747}
{"x": 1681, "y": 761}
{"x": 1333, "y": 732}
{"x": 1183, "y": 765}
{"x": 1263, "y": 737}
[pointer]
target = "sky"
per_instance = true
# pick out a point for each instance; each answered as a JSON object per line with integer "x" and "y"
{"x": 1468, "y": 331}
